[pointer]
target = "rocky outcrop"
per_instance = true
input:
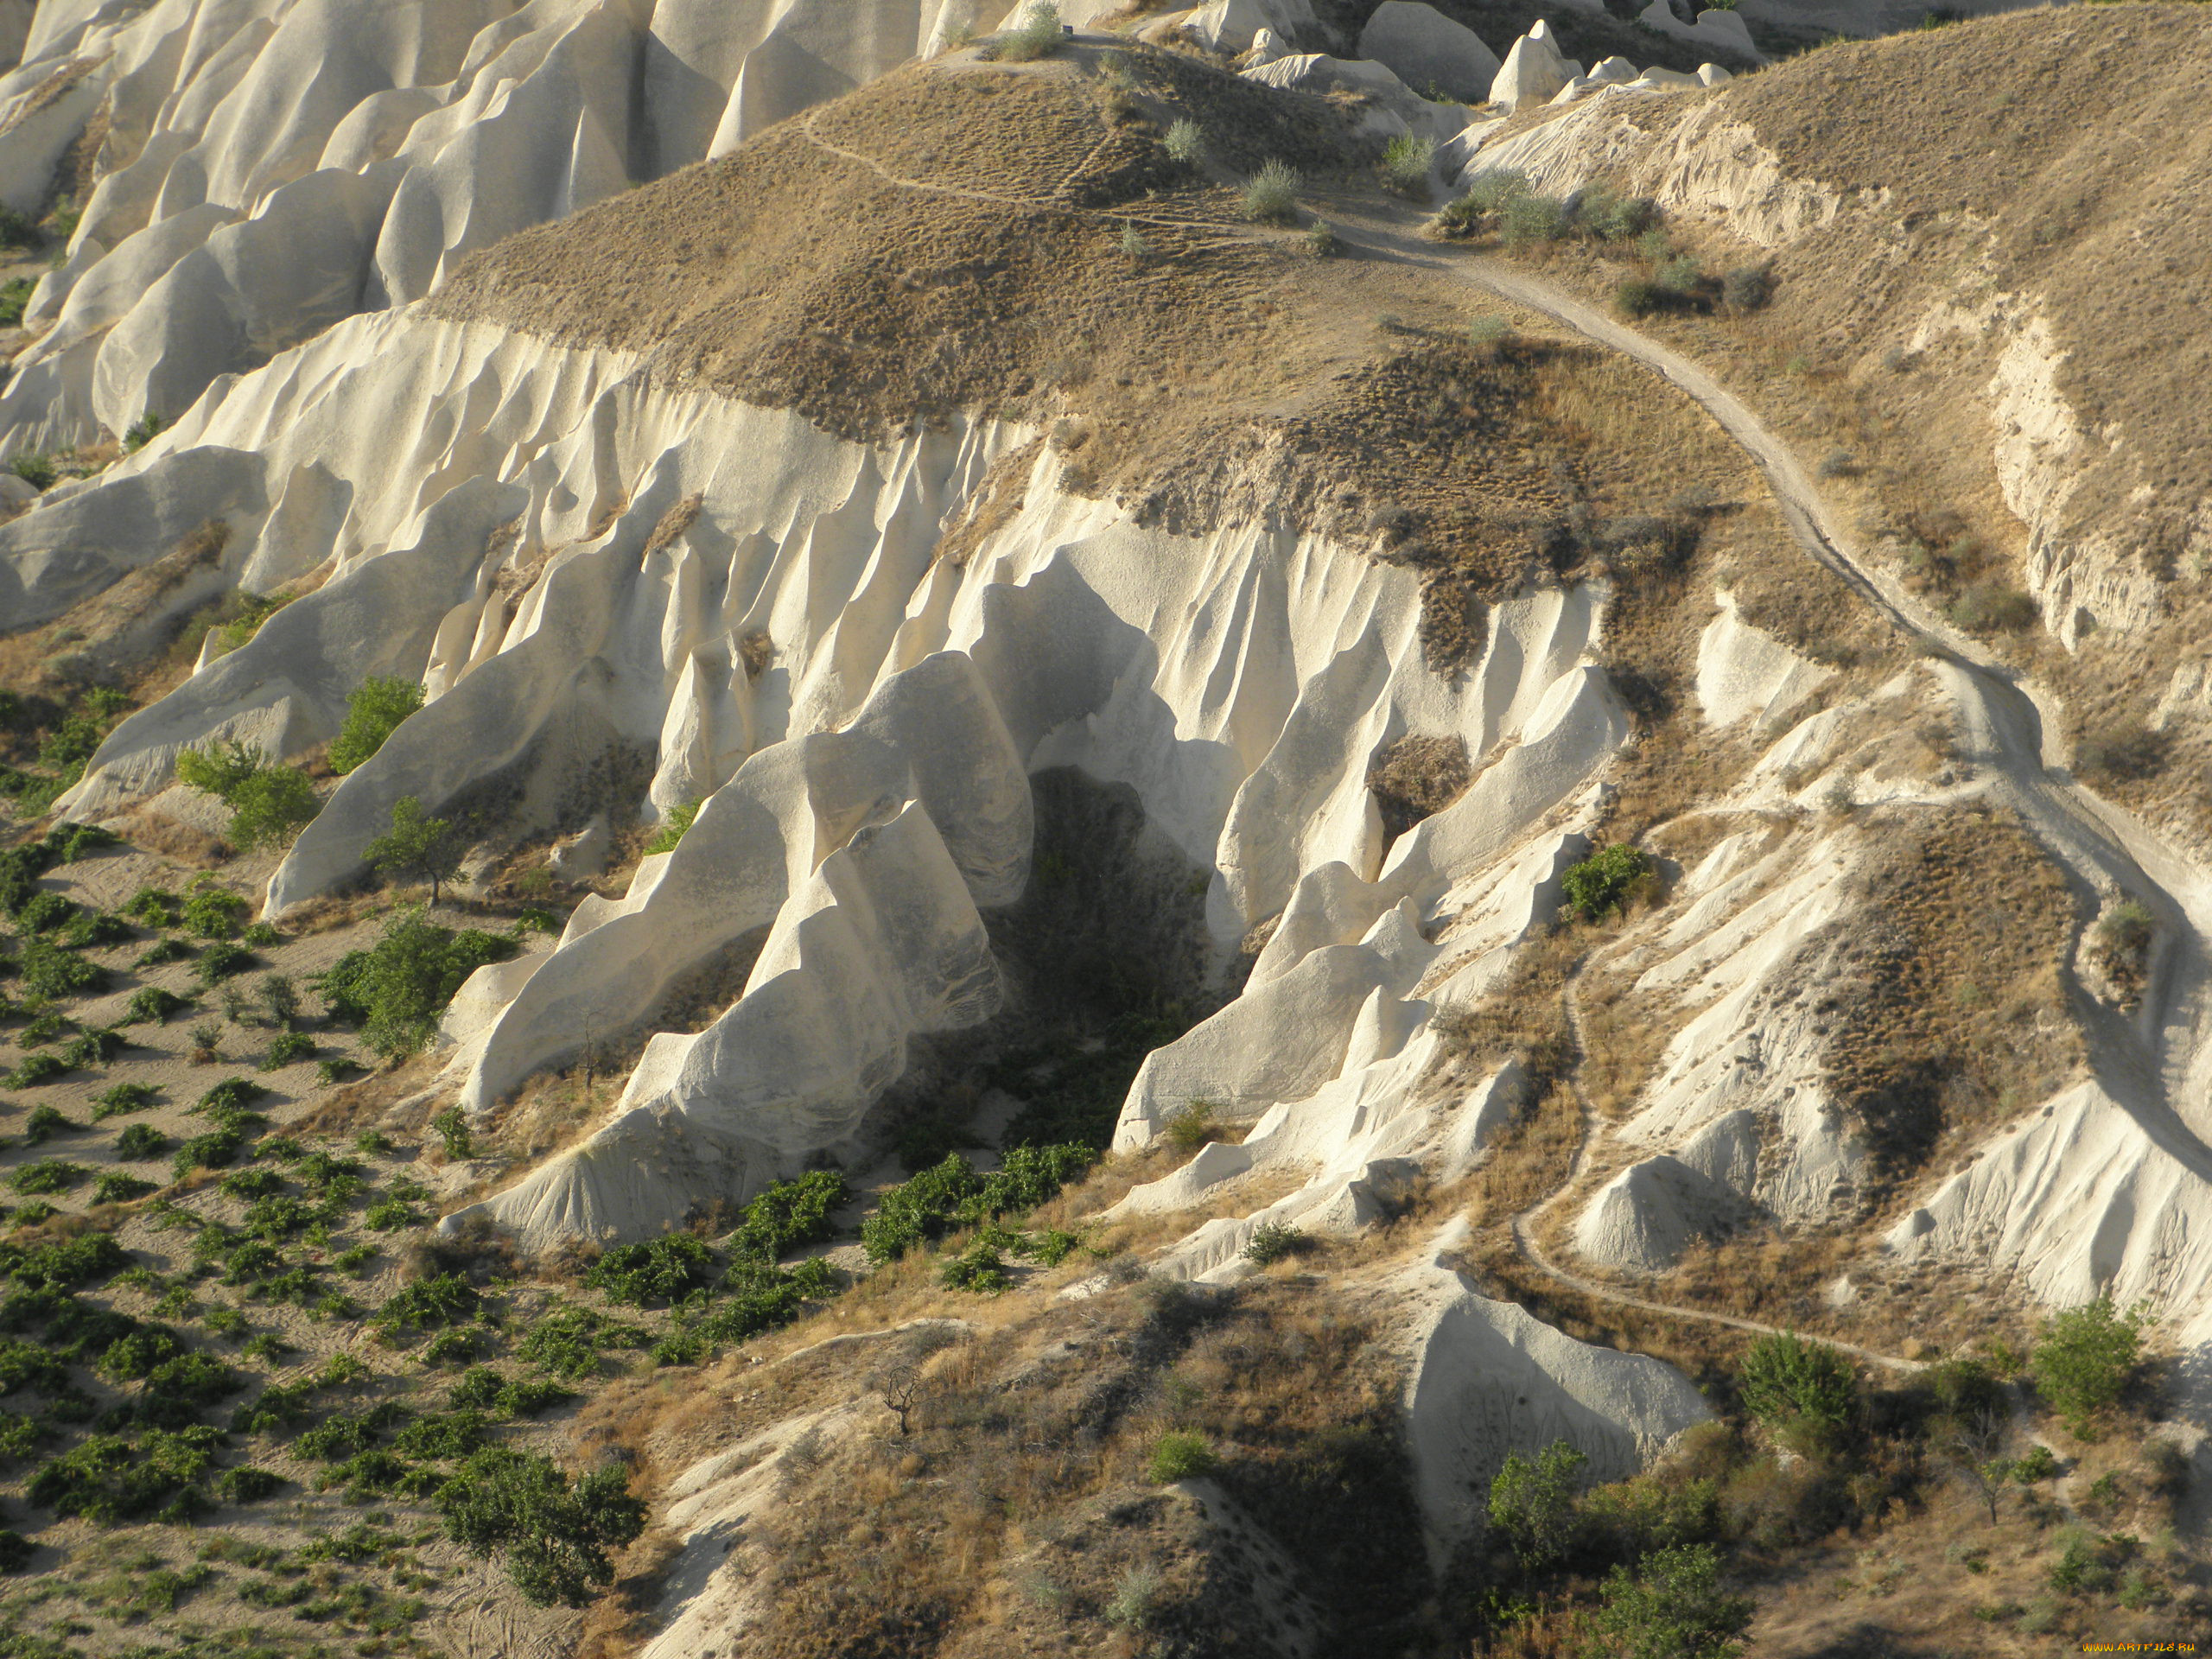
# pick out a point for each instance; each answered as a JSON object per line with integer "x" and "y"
{"x": 1490, "y": 1379}
{"x": 1397, "y": 107}
{"x": 1533, "y": 71}
{"x": 1427, "y": 49}
{"x": 1715, "y": 31}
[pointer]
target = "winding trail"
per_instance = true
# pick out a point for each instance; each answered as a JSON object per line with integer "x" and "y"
{"x": 2145, "y": 1065}
{"x": 1524, "y": 1232}
{"x": 2158, "y": 1068}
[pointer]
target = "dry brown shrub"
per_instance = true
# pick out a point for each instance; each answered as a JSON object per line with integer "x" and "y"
{"x": 1415, "y": 778}
{"x": 673, "y": 523}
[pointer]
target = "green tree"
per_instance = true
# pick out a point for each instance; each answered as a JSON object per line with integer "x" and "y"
{"x": 271, "y": 807}
{"x": 220, "y": 768}
{"x": 555, "y": 1532}
{"x": 1532, "y": 1503}
{"x": 374, "y": 712}
{"x": 395, "y": 992}
{"x": 269, "y": 804}
{"x": 2086, "y": 1358}
{"x": 1597, "y": 886}
{"x": 1801, "y": 1389}
{"x": 424, "y": 847}
{"x": 1671, "y": 1607}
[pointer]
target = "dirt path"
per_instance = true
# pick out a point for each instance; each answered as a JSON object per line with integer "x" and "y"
{"x": 1524, "y": 1231}
{"x": 2160, "y": 1069}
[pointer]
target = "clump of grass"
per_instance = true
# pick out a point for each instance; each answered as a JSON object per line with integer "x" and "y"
{"x": 1185, "y": 141}
{"x": 1322, "y": 240}
{"x": 1406, "y": 162}
{"x": 1134, "y": 246}
{"x": 1991, "y": 607}
{"x": 1271, "y": 194}
{"x": 1181, "y": 1455}
{"x": 1035, "y": 34}
{"x": 1191, "y": 1125}
{"x": 1275, "y": 1241}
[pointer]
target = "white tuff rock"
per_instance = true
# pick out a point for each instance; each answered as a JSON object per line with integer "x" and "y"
{"x": 1429, "y": 50}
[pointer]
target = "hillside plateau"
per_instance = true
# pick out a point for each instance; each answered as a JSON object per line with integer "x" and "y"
{"x": 1276, "y": 830}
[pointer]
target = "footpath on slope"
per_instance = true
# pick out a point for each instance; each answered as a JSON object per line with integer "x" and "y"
{"x": 2103, "y": 848}
{"x": 1523, "y": 1224}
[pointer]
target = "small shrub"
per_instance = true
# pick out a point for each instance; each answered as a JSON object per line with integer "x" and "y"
{"x": 141, "y": 432}
{"x": 34, "y": 469}
{"x": 1137, "y": 1593}
{"x": 152, "y": 1002}
{"x": 140, "y": 1141}
{"x": 213, "y": 914}
{"x": 121, "y": 1100}
{"x": 451, "y": 1125}
{"x": 47, "y": 970}
{"x": 116, "y": 1187}
{"x": 556, "y": 1532}
{"x": 1322, "y": 240}
{"x": 46, "y": 1028}
{"x": 1532, "y": 1503}
{"x": 1271, "y": 194}
{"x": 978, "y": 1268}
{"x": 788, "y": 1215}
{"x": 15, "y": 296}
{"x": 44, "y": 913}
{"x": 374, "y": 712}
{"x": 35, "y": 1069}
{"x": 2123, "y": 751}
{"x": 288, "y": 1048}
{"x": 1179, "y": 1455}
{"x": 45, "y": 1122}
{"x": 221, "y": 961}
{"x": 216, "y": 1150}
{"x": 671, "y": 832}
{"x": 1035, "y": 34}
{"x": 1185, "y": 142}
{"x": 205, "y": 1036}
{"x": 1133, "y": 247}
{"x": 1273, "y": 1241}
{"x": 1991, "y": 607}
{"x": 1599, "y": 885}
{"x": 2125, "y": 928}
{"x": 161, "y": 952}
{"x": 1672, "y": 1607}
{"x": 154, "y": 907}
{"x": 1406, "y": 164}
{"x": 2037, "y": 1463}
{"x": 95, "y": 930}
{"x": 95, "y": 1045}
{"x": 1526, "y": 219}
{"x": 1611, "y": 217}
{"x": 1191, "y": 1125}
{"x": 1803, "y": 1389}
{"x": 109, "y": 1480}
{"x": 660, "y": 1270}
{"x": 427, "y": 1304}
{"x": 1747, "y": 288}
{"x": 1636, "y": 296}
{"x": 2086, "y": 1359}
{"x": 247, "y": 1485}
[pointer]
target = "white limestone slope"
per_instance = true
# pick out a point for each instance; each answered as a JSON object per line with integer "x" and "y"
{"x": 270, "y": 166}
{"x": 1490, "y": 1378}
{"x": 577, "y": 565}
